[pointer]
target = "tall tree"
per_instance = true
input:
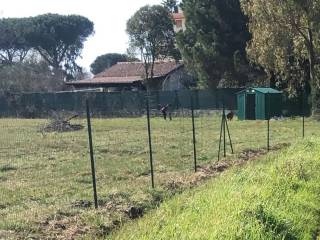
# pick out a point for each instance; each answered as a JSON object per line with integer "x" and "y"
{"x": 14, "y": 44}
{"x": 214, "y": 40}
{"x": 151, "y": 31}
{"x": 106, "y": 61}
{"x": 59, "y": 39}
{"x": 32, "y": 75}
{"x": 171, "y": 5}
{"x": 285, "y": 38}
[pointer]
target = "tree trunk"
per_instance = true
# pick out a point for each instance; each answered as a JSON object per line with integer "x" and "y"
{"x": 151, "y": 83}
{"x": 315, "y": 91}
{"x": 146, "y": 69}
{"x": 272, "y": 80}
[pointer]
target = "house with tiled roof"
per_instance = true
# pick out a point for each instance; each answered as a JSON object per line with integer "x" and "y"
{"x": 168, "y": 75}
{"x": 179, "y": 20}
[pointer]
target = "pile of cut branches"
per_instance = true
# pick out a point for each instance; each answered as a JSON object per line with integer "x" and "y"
{"x": 60, "y": 122}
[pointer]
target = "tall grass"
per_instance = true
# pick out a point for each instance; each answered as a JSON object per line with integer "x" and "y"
{"x": 274, "y": 198}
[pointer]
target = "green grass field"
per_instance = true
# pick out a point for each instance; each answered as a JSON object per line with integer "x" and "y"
{"x": 45, "y": 180}
{"x": 276, "y": 197}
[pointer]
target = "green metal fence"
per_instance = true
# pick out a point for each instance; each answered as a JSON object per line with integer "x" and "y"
{"x": 35, "y": 105}
{"x": 128, "y": 103}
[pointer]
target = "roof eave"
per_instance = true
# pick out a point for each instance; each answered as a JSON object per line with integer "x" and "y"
{"x": 257, "y": 90}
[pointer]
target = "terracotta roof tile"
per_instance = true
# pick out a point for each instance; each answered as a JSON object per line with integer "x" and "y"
{"x": 129, "y": 72}
{"x": 97, "y": 80}
{"x": 177, "y": 16}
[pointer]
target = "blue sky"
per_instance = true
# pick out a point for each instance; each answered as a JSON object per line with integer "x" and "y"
{"x": 109, "y": 17}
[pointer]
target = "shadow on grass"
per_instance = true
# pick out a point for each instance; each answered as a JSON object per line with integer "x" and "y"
{"x": 7, "y": 168}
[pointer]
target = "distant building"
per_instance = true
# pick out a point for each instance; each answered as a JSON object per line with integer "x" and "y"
{"x": 168, "y": 76}
{"x": 179, "y": 19}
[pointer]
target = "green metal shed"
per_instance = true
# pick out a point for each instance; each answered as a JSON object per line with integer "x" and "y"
{"x": 259, "y": 103}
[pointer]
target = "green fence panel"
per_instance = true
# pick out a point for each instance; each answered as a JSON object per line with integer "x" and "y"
{"x": 119, "y": 103}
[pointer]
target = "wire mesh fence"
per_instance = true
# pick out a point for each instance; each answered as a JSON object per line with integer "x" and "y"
{"x": 45, "y": 159}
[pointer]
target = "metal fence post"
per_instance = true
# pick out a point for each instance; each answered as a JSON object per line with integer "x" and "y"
{"x": 303, "y": 126}
{"x": 224, "y": 131}
{"x": 303, "y": 115}
{"x": 230, "y": 141}
{"x": 193, "y": 135}
{"x": 220, "y": 139}
{"x": 93, "y": 171}
{"x": 268, "y": 141}
{"x": 224, "y": 125}
{"x": 268, "y": 123}
{"x": 150, "y": 141}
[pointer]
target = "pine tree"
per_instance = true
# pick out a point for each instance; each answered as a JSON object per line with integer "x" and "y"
{"x": 215, "y": 38}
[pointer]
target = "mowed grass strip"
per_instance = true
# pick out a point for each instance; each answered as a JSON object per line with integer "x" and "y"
{"x": 274, "y": 198}
{"x": 42, "y": 176}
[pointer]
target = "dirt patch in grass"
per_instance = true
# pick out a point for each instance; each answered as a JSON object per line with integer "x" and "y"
{"x": 63, "y": 227}
{"x": 8, "y": 235}
{"x": 116, "y": 208}
{"x": 82, "y": 204}
{"x": 212, "y": 170}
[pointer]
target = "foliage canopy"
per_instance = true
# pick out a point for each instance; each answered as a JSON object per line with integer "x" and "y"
{"x": 285, "y": 41}
{"x": 215, "y": 39}
{"x": 57, "y": 38}
{"x": 151, "y": 32}
{"x": 105, "y": 61}
{"x": 14, "y": 44}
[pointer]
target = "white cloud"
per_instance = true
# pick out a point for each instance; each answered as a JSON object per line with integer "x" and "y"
{"x": 109, "y": 17}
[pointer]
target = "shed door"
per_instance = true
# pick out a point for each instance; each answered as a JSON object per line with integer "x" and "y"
{"x": 241, "y": 107}
{"x": 251, "y": 107}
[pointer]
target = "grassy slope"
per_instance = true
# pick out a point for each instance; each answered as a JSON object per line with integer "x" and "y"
{"x": 275, "y": 198}
{"x": 42, "y": 176}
